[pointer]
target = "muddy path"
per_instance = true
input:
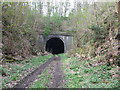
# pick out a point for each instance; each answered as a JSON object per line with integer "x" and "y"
{"x": 57, "y": 80}
{"x": 55, "y": 69}
{"x": 26, "y": 81}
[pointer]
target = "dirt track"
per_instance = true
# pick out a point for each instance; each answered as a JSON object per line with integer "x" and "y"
{"x": 26, "y": 81}
{"x": 57, "y": 79}
{"x": 55, "y": 82}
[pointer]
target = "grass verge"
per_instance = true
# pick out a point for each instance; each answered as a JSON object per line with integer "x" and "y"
{"x": 79, "y": 74}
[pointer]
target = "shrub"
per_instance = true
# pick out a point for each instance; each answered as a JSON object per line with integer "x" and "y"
{"x": 100, "y": 33}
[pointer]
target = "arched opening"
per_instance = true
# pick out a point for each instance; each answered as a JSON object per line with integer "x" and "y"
{"x": 55, "y": 46}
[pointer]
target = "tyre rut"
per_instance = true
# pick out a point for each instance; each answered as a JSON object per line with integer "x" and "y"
{"x": 57, "y": 80}
{"x": 26, "y": 81}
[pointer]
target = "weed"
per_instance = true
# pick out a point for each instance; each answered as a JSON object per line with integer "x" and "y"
{"x": 15, "y": 71}
{"x": 83, "y": 76}
{"x": 43, "y": 79}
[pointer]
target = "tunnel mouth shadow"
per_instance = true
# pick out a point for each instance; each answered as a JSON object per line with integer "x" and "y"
{"x": 55, "y": 46}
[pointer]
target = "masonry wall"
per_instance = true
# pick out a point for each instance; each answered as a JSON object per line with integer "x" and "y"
{"x": 67, "y": 40}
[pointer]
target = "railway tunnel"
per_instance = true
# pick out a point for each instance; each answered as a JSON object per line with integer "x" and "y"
{"x": 55, "y": 43}
{"x": 55, "y": 46}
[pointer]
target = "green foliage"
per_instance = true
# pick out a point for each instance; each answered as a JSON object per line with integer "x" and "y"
{"x": 47, "y": 29}
{"x": 15, "y": 71}
{"x": 88, "y": 50}
{"x": 100, "y": 33}
{"x": 79, "y": 74}
{"x": 105, "y": 67}
{"x": 3, "y": 70}
{"x": 14, "y": 77}
{"x": 19, "y": 28}
{"x": 94, "y": 80}
{"x": 52, "y": 23}
{"x": 88, "y": 70}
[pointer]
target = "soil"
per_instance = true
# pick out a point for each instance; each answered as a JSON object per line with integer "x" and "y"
{"x": 55, "y": 69}
{"x": 26, "y": 81}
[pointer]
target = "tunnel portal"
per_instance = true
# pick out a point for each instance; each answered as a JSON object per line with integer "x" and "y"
{"x": 55, "y": 46}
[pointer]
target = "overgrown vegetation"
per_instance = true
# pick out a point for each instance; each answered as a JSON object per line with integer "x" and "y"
{"x": 95, "y": 26}
{"x": 96, "y": 31}
{"x": 83, "y": 73}
{"x": 12, "y": 73}
{"x": 100, "y": 33}
{"x": 52, "y": 24}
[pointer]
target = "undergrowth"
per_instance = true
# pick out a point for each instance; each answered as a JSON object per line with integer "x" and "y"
{"x": 13, "y": 72}
{"x": 79, "y": 74}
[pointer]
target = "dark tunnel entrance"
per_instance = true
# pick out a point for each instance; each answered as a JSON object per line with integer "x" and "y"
{"x": 55, "y": 46}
